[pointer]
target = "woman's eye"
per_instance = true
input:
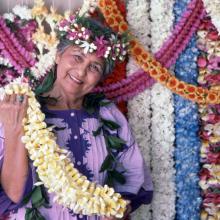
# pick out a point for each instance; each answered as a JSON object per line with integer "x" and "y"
{"x": 77, "y": 58}
{"x": 95, "y": 68}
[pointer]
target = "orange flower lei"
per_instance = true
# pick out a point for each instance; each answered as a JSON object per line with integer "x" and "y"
{"x": 149, "y": 64}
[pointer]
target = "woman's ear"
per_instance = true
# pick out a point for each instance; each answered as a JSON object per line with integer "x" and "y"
{"x": 58, "y": 57}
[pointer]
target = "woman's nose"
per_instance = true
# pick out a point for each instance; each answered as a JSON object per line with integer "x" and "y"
{"x": 82, "y": 70}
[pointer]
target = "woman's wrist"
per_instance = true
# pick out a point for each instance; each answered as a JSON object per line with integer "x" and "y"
{"x": 15, "y": 132}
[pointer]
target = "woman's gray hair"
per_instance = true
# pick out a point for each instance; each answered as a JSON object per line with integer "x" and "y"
{"x": 64, "y": 44}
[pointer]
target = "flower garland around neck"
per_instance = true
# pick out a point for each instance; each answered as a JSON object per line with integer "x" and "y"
{"x": 114, "y": 144}
{"x": 149, "y": 64}
{"x": 54, "y": 167}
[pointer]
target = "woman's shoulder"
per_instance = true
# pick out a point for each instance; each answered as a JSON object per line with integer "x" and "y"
{"x": 110, "y": 111}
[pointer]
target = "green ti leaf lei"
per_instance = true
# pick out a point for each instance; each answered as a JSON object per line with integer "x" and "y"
{"x": 114, "y": 144}
{"x": 38, "y": 198}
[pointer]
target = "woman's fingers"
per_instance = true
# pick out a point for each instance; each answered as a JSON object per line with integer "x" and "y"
{"x": 25, "y": 100}
{"x": 12, "y": 99}
{"x": 13, "y": 108}
{"x": 24, "y": 106}
{"x": 6, "y": 98}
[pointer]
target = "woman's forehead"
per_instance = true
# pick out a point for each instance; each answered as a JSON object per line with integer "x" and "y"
{"x": 93, "y": 56}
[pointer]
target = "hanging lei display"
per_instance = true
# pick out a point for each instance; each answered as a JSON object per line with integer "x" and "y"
{"x": 208, "y": 62}
{"x": 162, "y": 121}
{"x": 154, "y": 68}
{"x": 167, "y": 55}
{"x": 186, "y": 133}
{"x": 139, "y": 106}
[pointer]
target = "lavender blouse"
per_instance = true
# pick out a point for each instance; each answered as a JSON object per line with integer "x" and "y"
{"x": 74, "y": 132}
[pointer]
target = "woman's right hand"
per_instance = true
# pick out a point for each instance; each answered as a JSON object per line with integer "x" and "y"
{"x": 13, "y": 109}
{"x": 14, "y": 171}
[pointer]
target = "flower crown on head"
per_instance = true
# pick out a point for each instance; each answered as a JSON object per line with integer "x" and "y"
{"x": 93, "y": 37}
{"x": 30, "y": 37}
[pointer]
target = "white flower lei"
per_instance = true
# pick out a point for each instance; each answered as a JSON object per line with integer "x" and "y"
{"x": 213, "y": 9}
{"x": 22, "y": 11}
{"x": 88, "y": 6}
{"x": 46, "y": 62}
{"x": 139, "y": 107}
{"x": 162, "y": 163}
{"x": 55, "y": 170}
{"x": 9, "y": 16}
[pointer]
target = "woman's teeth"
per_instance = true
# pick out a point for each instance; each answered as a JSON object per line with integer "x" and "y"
{"x": 75, "y": 79}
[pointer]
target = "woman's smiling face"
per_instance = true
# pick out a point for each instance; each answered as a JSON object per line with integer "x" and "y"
{"x": 78, "y": 73}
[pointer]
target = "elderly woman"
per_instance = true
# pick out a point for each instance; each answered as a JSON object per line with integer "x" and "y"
{"x": 90, "y": 127}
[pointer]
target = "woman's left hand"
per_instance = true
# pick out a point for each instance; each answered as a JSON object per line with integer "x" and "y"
{"x": 127, "y": 212}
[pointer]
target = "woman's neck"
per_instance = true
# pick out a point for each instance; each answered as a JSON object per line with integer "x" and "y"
{"x": 62, "y": 104}
{"x": 63, "y": 100}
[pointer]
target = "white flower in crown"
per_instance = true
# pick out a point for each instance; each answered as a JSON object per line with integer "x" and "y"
{"x": 88, "y": 47}
{"x": 9, "y": 16}
{"x": 109, "y": 45}
{"x": 22, "y": 11}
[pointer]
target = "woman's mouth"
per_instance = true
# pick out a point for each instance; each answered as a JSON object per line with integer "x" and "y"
{"x": 78, "y": 81}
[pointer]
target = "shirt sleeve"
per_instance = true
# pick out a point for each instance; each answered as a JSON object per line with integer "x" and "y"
{"x": 6, "y": 205}
{"x": 142, "y": 197}
{"x": 138, "y": 186}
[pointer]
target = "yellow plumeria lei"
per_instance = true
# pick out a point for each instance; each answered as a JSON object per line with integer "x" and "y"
{"x": 54, "y": 167}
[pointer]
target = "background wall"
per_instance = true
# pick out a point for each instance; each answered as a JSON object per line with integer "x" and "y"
{"x": 6, "y": 5}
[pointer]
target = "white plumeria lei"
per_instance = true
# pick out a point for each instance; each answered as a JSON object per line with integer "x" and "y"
{"x": 54, "y": 167}
{"x": 23, "y": 12}
{"x": 213, "y": 9}
{"x": 162, "y": 163}
{"x": 43, "y": 40}
{"x": 139, "y": 106}
{"x": 46, "y": 62}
